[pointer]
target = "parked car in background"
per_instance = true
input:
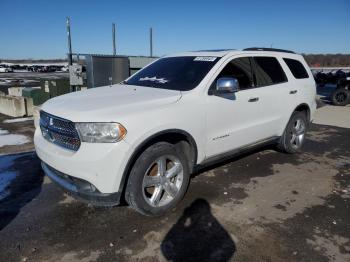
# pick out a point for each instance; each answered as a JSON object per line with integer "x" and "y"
{"x": 16, "y": 67}
{"x": 341, "y": 95}
{"x": 49, "y": 69}
{"x": 64, "y": 69}
{"x": 34, "y": 68}
{"x": 322, "y": 78}
{"x": 5, "y": 69}
{"x": 44, "y": 68}
{"x": 142, "y": 139}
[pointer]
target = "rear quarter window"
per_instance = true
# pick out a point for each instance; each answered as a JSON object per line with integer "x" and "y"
{"x": 297, "y": 68}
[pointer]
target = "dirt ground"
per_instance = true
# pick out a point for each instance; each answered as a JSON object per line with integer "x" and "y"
{"x": 262, "y": 206}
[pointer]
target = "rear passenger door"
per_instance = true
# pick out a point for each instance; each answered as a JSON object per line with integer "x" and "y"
{"x": 272, "y": 83}
{"x": 250, "y": 115}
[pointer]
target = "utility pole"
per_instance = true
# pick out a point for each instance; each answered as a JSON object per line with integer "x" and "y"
{"x": 151, "y": 42}
{"x": 113, "y": 39}
{"x": 70, "y": 56}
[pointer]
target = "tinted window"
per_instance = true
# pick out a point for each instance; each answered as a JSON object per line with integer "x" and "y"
{"x": 268, "y": 71}
{"x": 240, "y": 69}
{"x": 297, "y": 68}
{"x": 176, "y": 73}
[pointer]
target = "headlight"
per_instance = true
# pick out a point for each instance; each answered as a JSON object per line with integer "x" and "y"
{"x": 100, "y": 132}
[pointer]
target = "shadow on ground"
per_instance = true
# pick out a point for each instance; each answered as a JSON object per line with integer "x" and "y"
{"x": 20, "y": 181}
{"x": 198, "y": 236}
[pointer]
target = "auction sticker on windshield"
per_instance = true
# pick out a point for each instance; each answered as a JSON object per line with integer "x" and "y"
{"x": 205, "y": 58}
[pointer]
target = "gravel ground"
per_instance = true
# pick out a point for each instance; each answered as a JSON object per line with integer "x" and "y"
{"x": 262, "y": 206}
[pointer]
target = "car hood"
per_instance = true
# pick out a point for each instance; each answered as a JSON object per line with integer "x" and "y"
{"x": 109, "y": 103}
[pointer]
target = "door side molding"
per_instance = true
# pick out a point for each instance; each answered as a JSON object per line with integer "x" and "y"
{"x": 235, "y": 152}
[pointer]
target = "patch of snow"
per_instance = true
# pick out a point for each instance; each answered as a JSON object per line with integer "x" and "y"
{"x": 26, "y": 81}
{"x": 15, "y": 120}
{"x": 3, "y": 132}
{"x": 13, "y": 139}
{"x": 31, "y": 64}
{"x": 7, "y": 139}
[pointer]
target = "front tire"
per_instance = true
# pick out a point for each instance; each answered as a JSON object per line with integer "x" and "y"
{"x": 158, "y": 180}
{"x": 293, "y": 137}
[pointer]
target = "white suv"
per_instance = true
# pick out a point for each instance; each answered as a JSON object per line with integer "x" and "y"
{"x": 141, "y": 139}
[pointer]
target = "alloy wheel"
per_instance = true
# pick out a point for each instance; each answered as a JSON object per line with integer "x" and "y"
{"x": 162, "y": 181}
{"x": 341, "y": 97}
{"x": 298, "y": 133}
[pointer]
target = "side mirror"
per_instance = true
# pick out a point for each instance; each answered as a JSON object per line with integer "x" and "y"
{"x": 225, "y": 85}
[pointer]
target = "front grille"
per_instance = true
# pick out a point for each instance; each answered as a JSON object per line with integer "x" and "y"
{"x": 59, "y": 131}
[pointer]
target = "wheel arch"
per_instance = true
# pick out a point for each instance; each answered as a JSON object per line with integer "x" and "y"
{"x": 303, "y": 108}
{"x": 175, "y": 136}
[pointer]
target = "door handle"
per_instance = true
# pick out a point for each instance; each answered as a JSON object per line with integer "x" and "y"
{"x": 253, "y": 99}
{"x": 293, "y": 92}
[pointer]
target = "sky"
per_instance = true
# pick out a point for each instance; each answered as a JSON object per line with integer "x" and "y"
{"x": 37, "y": 29}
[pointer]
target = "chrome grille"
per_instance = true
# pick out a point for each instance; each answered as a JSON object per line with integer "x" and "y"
{"x": 59, "y": 131}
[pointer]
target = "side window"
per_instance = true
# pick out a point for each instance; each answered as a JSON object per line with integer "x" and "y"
{"x": 268, "y": 71}
{"x": 239, "y": 68}
{"x": 297, "y": 68}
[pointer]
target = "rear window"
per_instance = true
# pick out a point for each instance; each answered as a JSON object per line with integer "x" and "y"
{"x": 268, "y": 71}
{"x": 297, "y": 68}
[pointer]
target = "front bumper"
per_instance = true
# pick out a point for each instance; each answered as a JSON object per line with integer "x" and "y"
{"x": 102, "y": 165}
{"x": 81, "y": 189}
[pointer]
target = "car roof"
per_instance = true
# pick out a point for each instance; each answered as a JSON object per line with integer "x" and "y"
{"x": 216, "y": 53}
{"x": 224, "y": 52}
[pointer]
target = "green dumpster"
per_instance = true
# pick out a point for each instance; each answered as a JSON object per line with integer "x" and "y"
{"x": 62, "y": 86}
{"x": 55, "y": 87}
{"x": 38, "y": 95}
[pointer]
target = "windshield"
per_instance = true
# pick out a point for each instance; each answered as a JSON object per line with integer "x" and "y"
{"x": 175, "y": 73}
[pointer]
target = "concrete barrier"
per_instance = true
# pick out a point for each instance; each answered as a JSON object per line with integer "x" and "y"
{"x": 15, "y": 91}
{"x": 29, "y": 106}
{"x": 12, "y": 106}
{"x": 36, "y": 115}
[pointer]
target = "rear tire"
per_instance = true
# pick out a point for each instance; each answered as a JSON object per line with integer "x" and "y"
{"x": 341, "y": 97}
{"x": 158, "y": 180}
{"x": 294, "y": 134}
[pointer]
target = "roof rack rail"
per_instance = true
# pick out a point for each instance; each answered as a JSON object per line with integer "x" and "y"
{"x": 213, "y": 50}
{"x": 267, "y": 49}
